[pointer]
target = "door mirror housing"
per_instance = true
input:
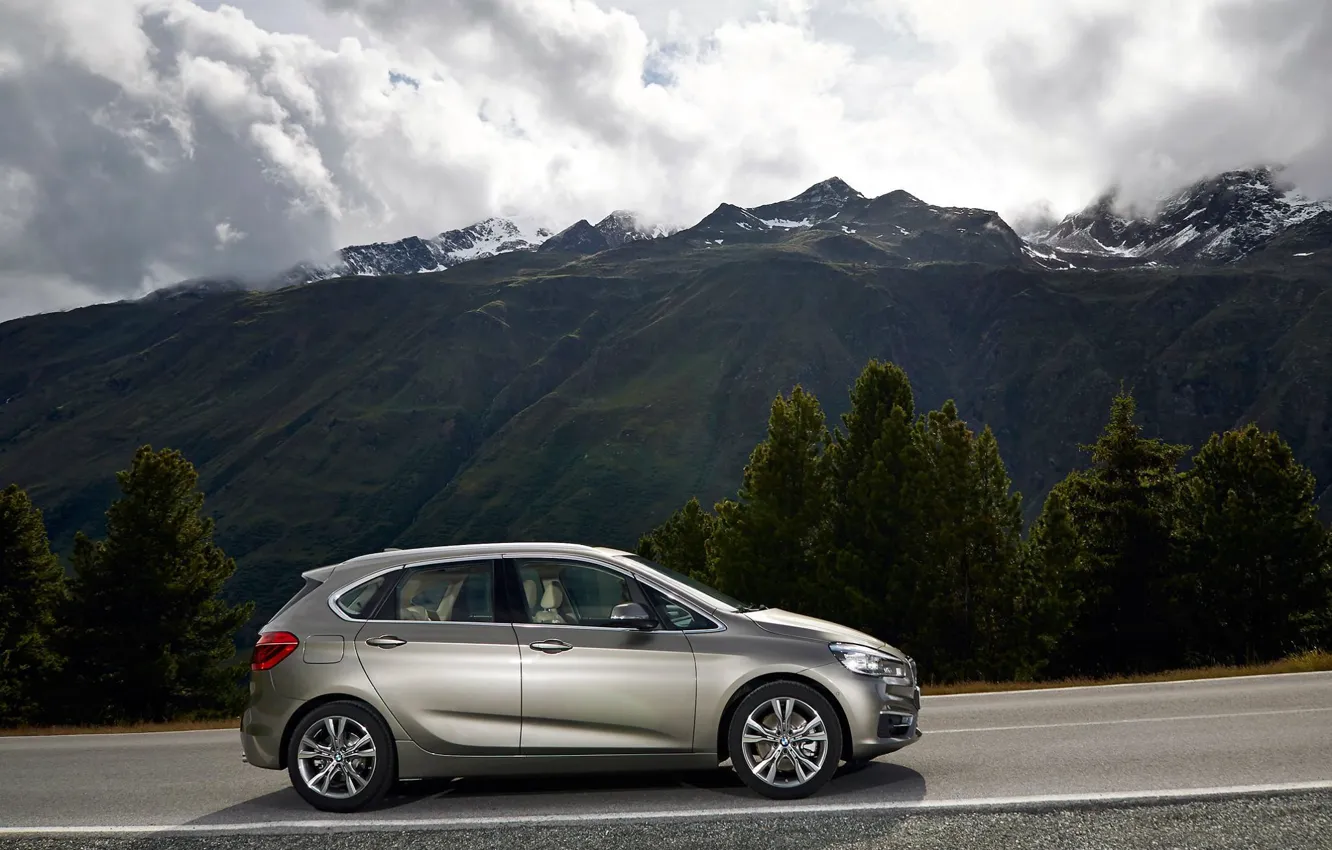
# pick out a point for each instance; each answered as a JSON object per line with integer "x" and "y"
{"x": 631, "y": 615}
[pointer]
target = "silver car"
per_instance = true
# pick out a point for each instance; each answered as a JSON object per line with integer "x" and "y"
{"x": 527, "y": 658}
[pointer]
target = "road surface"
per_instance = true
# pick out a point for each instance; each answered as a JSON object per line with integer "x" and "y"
{"x": 1019, "y": 753}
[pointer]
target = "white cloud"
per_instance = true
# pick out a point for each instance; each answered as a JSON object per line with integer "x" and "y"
{"x": 142, "y": 126}
{"x": 227, "y": 235}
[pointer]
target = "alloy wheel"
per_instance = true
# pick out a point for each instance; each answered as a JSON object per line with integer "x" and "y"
{"x": 784, "y": 742}
{"x": 336, "y": 757}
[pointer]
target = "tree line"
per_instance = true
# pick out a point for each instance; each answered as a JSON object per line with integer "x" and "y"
{"x": 139, "y": 631}
{"x": 900, "y": 523}
{"x": 905, "y": 525}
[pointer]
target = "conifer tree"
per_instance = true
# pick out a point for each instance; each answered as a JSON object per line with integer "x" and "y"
{"x": 149, "y": 634}
{"x": 1253, "y": 553}
{"x": 764, "y": 544}
{"x": 971, "y": 579}
{"x": 681, "y": 542}
{"x": 878, "y": 471}
{"x": 1051, "y": 561}
{"x": 32, "y": 585}
{"x": 1123, "y": 510}
{"x": 1001, "y": 584}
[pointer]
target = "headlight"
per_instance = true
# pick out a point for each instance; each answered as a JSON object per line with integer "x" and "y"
{"x": 872, "y": 662}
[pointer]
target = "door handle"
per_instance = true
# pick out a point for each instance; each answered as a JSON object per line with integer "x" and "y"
{"x": 551, "y": 646}
{"x": 386, "y": 642}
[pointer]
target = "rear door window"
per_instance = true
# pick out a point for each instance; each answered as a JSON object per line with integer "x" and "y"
{"x": 447, "y": 593}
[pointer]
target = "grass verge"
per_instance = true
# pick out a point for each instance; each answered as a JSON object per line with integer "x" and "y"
{"x": 1308, "y": 662}
{"x": 174, "y": 726}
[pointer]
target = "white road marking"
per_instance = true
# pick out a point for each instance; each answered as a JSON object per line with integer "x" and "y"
{"x": 360, "y": 823}
{"x": 1060, "y": 690}
{"x": 1169, "y": 719}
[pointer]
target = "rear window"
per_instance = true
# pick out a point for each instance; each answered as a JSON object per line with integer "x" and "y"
{"x": 355, "y": 602}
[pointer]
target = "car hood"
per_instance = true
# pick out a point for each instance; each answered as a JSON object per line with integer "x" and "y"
{"x": 781, "y": 622}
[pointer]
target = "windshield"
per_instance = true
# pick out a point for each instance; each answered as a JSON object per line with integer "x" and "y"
{"x": 735, "y": 605}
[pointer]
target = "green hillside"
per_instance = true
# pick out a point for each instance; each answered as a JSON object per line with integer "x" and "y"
{"x": 550, "y": 396}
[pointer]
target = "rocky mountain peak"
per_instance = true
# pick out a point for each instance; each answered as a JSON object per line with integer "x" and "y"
{"x": 623, "y": 226}
{"x": 819, "y": 202}
{"x": 578, "y": 238}
{"x": 1217, "y": 219}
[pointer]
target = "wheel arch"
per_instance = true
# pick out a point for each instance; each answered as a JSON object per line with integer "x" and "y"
{"x": 723, "y": 747}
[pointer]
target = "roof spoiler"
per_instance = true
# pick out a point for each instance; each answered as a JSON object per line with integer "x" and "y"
{"x": 319, "y": 574}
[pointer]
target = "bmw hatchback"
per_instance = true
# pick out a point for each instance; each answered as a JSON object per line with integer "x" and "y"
{"x": 530, "y": 659}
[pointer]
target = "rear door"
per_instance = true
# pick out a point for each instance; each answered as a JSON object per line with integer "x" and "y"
{"x": 590, "y": 686}
{"x": 444, "y": 663}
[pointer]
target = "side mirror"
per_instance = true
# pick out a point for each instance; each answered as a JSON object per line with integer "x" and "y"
{"x": 631, "y": 615}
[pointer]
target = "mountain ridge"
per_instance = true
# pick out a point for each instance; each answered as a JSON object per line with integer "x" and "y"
{"x": 1223, "y": 218}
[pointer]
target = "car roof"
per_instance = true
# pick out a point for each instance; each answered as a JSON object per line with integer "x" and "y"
{"x": 393, "y": 557}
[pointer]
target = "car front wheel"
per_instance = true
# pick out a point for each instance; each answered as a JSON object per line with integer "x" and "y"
{"x": 341, "y": 758}
{"x": 785, "y": 740}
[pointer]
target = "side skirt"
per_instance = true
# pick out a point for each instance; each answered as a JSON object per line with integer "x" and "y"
{"x": 416, "y": 763}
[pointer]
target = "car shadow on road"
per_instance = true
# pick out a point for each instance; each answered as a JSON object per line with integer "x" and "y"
{"x": 500, "y": 796}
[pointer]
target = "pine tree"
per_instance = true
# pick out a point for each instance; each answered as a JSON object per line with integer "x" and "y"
{"x": 1253, "y": 554}
{"x": 971, "y": 578}
{"x": 32, "y": 585}
{"x": 764, "y": 544}
{"x": 1051, "y": 562}
{"x": 149, "y": 634}
{"x": 681, "y": 541}
{"x": 1000, "y": 581}
{"x": 942, "y": 624}
{"x": 1123, "y": 510}
{"x": 871, "y": 554}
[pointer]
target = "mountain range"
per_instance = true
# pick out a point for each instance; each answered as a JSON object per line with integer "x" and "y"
{"x": 1217, "y": 220}
{"x": 506, "y": 383}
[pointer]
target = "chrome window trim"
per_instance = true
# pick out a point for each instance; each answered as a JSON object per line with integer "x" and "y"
{"x": 622, "y": 569}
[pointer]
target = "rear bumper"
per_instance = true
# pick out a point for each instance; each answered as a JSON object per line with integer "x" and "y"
{"x": 263, "y": 723}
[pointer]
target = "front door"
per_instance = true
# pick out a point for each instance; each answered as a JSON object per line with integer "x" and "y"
{"x": 447, "y": 670}
{"x": 588, "y": 685}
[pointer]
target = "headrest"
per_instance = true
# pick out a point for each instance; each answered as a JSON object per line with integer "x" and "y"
{"x": 530, "y": 591}
{"x": 553, "y": 596}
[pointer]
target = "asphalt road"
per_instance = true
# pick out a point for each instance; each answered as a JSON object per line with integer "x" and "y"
{"x": 1004, "y": 755}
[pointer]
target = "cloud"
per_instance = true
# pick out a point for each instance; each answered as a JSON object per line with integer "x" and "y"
{"x": 226, "y": 234}
{"x": 146, "y": 139}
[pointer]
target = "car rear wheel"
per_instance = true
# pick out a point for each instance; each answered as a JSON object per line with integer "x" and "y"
{"x": 340, "y": 758}
{"x": 785, "y": 740}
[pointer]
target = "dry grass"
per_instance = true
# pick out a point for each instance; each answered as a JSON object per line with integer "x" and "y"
{"x": 174, "y": 726}
{"x": 1308, "y": 662}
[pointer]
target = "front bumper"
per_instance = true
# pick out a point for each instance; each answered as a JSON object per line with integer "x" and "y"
{"x": 881, "y": 718}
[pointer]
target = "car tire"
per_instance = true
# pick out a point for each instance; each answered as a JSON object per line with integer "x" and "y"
{"x": 327, "y": 757}
{"x": 785, "y": 758}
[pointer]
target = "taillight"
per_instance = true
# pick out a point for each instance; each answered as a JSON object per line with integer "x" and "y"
{"x": 272, "y": 648}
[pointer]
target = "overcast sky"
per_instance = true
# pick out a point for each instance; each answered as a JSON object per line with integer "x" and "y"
{"x": 147, "y": 141}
